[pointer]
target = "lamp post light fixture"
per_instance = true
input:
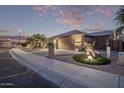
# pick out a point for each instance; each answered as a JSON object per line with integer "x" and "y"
{"x": 89, "y": 57}
{"x": 19, "y": 31}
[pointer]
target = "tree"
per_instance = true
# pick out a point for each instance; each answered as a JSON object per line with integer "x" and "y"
{"x": 88, "y": 48}
{"x": 120, "y": 21}
{"x": 29, "y": 42}
{"x": 37, "y": 41}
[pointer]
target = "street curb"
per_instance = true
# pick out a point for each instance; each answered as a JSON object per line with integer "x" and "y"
{"x": 63, "y": 83}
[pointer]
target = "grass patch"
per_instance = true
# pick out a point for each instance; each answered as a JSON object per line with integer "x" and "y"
{"x": 98, "y": 60}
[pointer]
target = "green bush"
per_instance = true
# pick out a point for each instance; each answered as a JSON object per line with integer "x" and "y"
{"x": 81, "y": 49}
{"x": 98, "y": 60}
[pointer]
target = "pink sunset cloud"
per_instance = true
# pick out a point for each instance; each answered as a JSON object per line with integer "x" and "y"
{"x": 42, "y": 9}
{"x": 74, "y": 15}
{"x": 97, "y": 25}
{"x": 71, "y": 21}
{"x": 107, "y": 11}
{"x": 73, "y": 18}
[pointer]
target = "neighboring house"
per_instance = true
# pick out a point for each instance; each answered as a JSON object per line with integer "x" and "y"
{"x": 11, "y": 41}
{"x": 74, "y": 39}
{"x": 5, "y": 43}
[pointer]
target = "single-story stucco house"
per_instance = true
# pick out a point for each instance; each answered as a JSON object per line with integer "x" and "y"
{"x": 73, "y": 40}
{"x": 70, "y": 40}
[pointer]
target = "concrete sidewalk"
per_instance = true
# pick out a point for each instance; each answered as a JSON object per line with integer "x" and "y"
{"x": 67, "y": 75}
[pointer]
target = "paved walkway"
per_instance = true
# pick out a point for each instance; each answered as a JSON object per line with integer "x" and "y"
{"x": 65, "y": 74}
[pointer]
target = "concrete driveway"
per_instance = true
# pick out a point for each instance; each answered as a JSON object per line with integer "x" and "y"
{"x": 44, "y": 52}
{"x": 62, "y": 52}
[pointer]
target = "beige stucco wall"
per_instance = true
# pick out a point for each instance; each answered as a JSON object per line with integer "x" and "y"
{"x": 65, "y": 43}
{"x": 69, "y": 42}
{"x": 77, "y": 37}
{"x": 77, "y": 41}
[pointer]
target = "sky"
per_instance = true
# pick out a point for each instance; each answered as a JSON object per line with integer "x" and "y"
{"x": 52, "y": 20}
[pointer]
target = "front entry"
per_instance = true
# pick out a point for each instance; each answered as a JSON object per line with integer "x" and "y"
{"x": 100, "y": 43}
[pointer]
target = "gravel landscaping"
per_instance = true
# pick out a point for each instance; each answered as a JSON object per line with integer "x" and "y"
{"x": 66, "y": 56}
{"x": 113, "y": 67}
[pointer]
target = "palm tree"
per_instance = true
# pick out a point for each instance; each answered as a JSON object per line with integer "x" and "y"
{"x": 37, "y": 41}
{"x": 29, "y": 42}
{"x": 120, "y": 21}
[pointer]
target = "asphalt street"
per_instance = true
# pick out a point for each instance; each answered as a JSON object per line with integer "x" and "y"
{"x": 15, "y": 75}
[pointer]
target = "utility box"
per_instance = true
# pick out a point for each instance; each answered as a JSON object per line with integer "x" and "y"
{"x": 51, "y": 51}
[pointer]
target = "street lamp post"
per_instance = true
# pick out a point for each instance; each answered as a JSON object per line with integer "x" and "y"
{"x": 19, "y": 36}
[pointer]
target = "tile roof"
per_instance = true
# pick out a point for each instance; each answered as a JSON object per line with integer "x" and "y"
{"x": 87, "y": 33}
{"x": 101, "y": 33}
{"x": 69, "y": 33}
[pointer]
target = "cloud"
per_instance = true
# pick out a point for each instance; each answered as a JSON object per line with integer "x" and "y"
{"x": 26, "y": 34}
{"x": 71, "y": 16}
{"x": 97, "y": 25}
{"x": 103, "y": 9}
{"x": 42, "y": 9}
{"x": 71, "y": 21}
{"x": 3, "y": 30}
{"x": 108, "y": 11}
{"x": 74, "y": 15}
